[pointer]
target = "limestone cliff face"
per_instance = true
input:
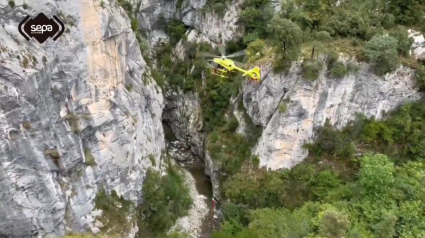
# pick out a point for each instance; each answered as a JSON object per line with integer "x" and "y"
{"x": 183, "y": 113}
{"x": 76, "y": 115}
{"x": 216, "y": 26}
{"x": 309, "y": 104}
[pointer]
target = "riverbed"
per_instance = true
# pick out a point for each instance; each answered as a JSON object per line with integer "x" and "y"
{"x": 203, "y": 194}
{"x": 204, "y": 188}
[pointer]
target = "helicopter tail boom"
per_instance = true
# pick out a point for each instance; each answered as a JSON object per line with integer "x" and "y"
{"x": 255, "y": 70}
{"x": 253, "y": 73}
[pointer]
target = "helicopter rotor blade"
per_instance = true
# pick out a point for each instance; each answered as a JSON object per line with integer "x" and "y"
{"x": 237, "y": 54}
{"x": 209, "y": 66}
{"x": 239, "y": 64}
{"x": 206, "y": 54}
{"x": 222, "y": 50}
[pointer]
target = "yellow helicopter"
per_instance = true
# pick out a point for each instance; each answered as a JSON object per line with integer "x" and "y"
{"x": 222, "y": 65}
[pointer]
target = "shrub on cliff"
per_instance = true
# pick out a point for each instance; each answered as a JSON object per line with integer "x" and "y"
{"x": 420, "y": 77}
{"x": 310, "y": 69}
{"x": 338, "y": 70}
{"x": 382, "y": 52}
{"x": 165, "y": 198}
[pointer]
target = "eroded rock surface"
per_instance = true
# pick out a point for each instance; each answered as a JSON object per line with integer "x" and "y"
{"x": 217, "y": 27}
{"x": 309, "y": 104}
{"x": 418, "y": 46}
{"x": 75, "y": 116}
{"x": 183, "y": 113}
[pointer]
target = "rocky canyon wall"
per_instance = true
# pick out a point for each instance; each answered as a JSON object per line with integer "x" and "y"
{"x": 76, "y": 115}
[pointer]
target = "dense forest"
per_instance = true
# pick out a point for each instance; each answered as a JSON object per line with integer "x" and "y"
{"x": 367, "y": 180}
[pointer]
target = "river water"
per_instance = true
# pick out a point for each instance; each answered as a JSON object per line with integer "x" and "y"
{"x": 203, "y": 186}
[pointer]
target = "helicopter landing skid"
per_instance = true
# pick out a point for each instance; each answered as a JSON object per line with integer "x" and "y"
{"x": 218, "y": 74}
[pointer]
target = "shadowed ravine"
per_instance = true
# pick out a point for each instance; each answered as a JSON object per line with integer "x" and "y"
{"x": 203, "y": 185}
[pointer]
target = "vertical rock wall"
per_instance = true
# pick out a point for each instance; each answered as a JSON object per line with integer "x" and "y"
{"x": 76, "y": 115}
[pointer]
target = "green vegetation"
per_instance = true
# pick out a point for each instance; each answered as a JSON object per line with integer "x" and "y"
{"x": 338, "y": 70}
{"x": 286, "y": 37}
{"x": 352, "y": 67}
{"x": 74, "y": 122}
{"x": 227, "y": 148}
{"x": 400, "y": 135}
{"x": 54, "y": 154}
{"x": 323, "y": 36}
{"x": 165, "y": 199}
{"x": 152, "y": 160}
{"x": 126, "y": 5}
{"x": 129, "y": 87}
{"x": 217, "y": 6}
{"x": 420, "y": 77}
{"x": 254, "y": 16}
{"x": 25, "y": 62}
{"x": 118, "y": 214}
{"x": 310, "y": 69}
{"x": 90, "y": 161}
{"x": 25, "y": 6}
{"x": 282, "y": 107}
{"x": 34, "y": 60}
{"x": 175, "y": 30}
{"x": 382, "y": 51}
{"x": 367, "y": 30}
{"x": 11, "y": 3}
{"x": 335, "y": 193}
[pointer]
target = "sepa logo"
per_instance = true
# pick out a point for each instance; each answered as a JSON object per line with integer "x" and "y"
{"x": 41, "y": 28}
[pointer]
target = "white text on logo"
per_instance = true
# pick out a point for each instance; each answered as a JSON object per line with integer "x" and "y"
{"x": 40, "y": 29}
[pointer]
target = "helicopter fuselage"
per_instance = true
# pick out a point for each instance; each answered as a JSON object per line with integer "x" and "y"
{"x": 229, "y": 65}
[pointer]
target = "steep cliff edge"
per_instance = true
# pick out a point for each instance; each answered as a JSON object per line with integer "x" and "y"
{"x": 77, "y": 115}
{"x": 291, "y": 108}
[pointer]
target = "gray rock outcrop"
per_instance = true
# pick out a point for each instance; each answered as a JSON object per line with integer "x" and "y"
{"x": 218, "y": 26}
{"x": 307, "y": 105}
{"x": 76, "y": 115}
{"x": 418, "y": 46}
{"x": 183, "y": 113}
